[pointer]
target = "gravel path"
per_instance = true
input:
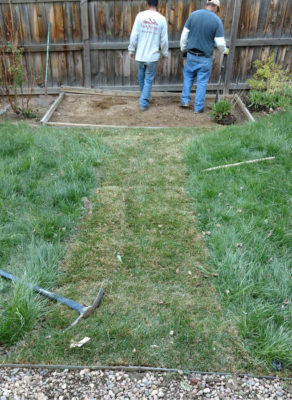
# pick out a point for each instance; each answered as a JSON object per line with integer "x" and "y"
{"x": 16, "y": 384}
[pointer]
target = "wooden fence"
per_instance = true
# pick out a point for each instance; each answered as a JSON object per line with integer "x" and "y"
{"x": 89, "y": 39}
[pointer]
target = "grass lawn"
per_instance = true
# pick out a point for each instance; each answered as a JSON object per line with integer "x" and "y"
{"x": 245, "y": 213}
{"x": 141, "y": 243}
{"x": 44, "y": 173}
{"x": 164, "y": 304}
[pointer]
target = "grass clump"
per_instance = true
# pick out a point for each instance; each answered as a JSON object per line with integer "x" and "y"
{"x": 245, "y": 213}
{"x": 43, "y": 176}
{"x": 19, "y": 312}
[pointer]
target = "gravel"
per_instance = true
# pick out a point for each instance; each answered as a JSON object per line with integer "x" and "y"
{"x": 43, "y": 384}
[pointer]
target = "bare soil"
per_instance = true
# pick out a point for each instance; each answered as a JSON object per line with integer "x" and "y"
{"x": 164, "y": 111}
{"x": 38, "y": 104}
{"x": 226, "y": 120}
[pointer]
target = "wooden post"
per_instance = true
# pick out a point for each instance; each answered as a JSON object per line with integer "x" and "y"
{"x": 86, "y": 44}
{"x": 232, "y": 47}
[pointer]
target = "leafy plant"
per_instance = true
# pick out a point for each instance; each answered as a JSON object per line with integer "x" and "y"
{"x": 269, "y": 76}
{"x": 259, "y": 100}
{"x": 28, "y": 113}
{"x": 271, "y": 86}
{"x": 220, "y": 109}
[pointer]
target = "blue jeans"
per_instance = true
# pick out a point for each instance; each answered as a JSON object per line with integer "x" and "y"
{"x": 146, "y": 75}
{"x": 199, "y": 67}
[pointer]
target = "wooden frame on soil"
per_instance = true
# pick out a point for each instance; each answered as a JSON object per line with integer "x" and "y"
{"x": 81, "y": 90}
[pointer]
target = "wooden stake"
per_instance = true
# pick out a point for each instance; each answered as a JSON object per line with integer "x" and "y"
{"x": 244, "y": 109}
{"x": 93, "y": 126}
{"x": 239, "y": 163}
{"x": 51, "y": 110}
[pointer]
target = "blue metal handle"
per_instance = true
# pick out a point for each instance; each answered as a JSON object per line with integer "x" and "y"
{"x": 52, "y": 296}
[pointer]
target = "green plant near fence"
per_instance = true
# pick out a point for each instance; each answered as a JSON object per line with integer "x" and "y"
{"x": 220, "y": 109}
{"x": 271, "y": 86}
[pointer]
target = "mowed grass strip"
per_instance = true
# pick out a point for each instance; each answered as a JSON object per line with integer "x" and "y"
{"x": 44, "y": 173}
{"x": 160, "y": 306}
{"x": 245, "y": 212}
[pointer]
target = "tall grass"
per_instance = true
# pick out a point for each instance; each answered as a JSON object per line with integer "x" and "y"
{"x": 245, "y": 213}
{"x": 44, "y": 174}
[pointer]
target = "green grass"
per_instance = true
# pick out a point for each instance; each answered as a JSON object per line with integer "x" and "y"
{"x": 142, "y": 213}
{"x": 246, "y": 212}
{"x": 43, "y": 175}
{"x": 163, "y": 304}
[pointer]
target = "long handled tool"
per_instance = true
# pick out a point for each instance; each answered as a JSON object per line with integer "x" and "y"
{"x": 84, "y": 312}
{"x": 46, "y": 101}
{"x": 221, "y": 77}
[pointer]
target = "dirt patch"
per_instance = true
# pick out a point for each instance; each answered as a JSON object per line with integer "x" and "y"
{"x": 122, "y": 110}
{"x": 38, "y": 104}
{"x": 226, "y": 120}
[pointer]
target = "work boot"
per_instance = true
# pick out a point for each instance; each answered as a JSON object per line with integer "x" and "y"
{"x": 182, "y": 105}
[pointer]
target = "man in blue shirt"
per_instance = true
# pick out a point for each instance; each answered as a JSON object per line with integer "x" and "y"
{"x": 202, "y": 31}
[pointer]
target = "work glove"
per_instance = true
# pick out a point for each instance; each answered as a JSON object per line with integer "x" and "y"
{"x": 226, "y": 51}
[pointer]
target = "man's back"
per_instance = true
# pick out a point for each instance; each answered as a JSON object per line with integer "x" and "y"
{"x": 204, "y": 25}
{"x": 148, "y": 35}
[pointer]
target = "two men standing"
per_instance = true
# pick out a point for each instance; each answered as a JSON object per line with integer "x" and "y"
{"x": 202, "y": 31}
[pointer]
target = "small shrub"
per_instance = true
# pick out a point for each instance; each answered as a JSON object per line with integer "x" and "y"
{"x": 221, "y": 112}
{"x": 271, "y": 86}
{"x": 28, "y": 113}
{"x": 263, "y": 101}
{"x": 220, "y": 109}
{"x": 269, "y": 76}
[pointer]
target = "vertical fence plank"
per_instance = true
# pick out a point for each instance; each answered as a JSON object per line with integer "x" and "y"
{"x": 86, "y": 48}
{"x": 233, "y": 35}
{"x": 95, "y": 22}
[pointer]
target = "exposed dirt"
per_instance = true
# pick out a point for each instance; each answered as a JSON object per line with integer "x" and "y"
{"x": 122, "y": 110}
{"x": 38, "y": 104}
{"x": 226, "y": 120}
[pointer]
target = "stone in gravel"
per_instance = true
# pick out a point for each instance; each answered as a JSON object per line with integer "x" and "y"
{"x": 194, "y": 381}
{"x": 41, "y": 396}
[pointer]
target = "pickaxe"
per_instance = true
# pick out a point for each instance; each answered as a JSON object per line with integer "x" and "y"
{"x": 84, "y": 312}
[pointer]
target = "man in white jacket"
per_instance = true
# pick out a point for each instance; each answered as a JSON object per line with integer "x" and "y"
{"x": 202, "y": 31}
{"x": 149, "y": 34}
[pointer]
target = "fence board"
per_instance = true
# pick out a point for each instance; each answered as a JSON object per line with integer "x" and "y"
{"x": 100, "y": 54}
{"x": 85, "y": 36}
{"x": 233, "y": 35}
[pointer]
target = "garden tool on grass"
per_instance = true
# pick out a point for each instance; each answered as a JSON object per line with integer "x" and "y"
{"x": 84, "y": 312}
